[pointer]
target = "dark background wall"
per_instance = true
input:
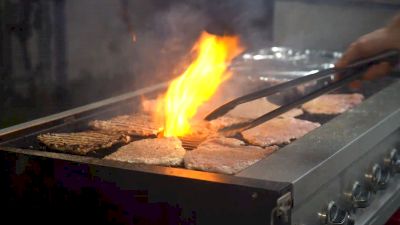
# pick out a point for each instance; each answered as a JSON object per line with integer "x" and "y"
{"x": 60, "y": 54}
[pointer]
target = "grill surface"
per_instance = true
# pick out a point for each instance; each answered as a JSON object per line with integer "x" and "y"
{"x": 250, "y": 197}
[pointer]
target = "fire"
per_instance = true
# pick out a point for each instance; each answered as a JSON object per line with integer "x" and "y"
{"x": 197, "y": 84}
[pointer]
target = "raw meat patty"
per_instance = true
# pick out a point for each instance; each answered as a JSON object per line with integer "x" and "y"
{"x": 155, "y": 151}
{"x": 333, "y": 104}
{"x": 258, "y": 108}
{"x": 225, "y": 155}
{"x": 278, "y": 131}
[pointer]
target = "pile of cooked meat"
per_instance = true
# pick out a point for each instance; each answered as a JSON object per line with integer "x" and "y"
{"x": 133, "y": 138}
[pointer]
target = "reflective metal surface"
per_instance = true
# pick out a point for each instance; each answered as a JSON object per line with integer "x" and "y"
{"x": 280, "y": 64}
{"x": 324, "y": 163}
{"x": 284, "y": 63}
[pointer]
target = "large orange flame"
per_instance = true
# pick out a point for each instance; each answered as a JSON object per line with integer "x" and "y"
{"x": 197, "y": 84}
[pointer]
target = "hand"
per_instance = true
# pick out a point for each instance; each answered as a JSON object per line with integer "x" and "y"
{"x": 373, "y": 43}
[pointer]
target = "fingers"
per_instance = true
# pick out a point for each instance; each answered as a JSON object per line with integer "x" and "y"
{"x": 377, "y": 71}
{"x": 367, "y": 45}
{"x": 372, "y": 73}
{"x": 357, "y": 84}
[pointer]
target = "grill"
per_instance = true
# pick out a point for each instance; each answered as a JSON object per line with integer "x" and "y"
{"x": 342, "y": 172}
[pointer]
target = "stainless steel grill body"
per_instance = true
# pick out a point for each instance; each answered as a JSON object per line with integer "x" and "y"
{"x": 295, "y": 185}
{"x": 324, "y": 165}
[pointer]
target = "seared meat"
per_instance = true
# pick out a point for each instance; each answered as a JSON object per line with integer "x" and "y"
{"x": 136, "y": 125}
{"x": 203, "y": 130}
{"x": 156, "y": 151}
{"x": 220, "y": 140}
{"x": 225, "y": 121}
{"x": 81, "y": 143}
{"x": 278, "y": 131}
{"x": 224, "y": 155}
{"x": 332, "y": 104}
{"x": 258, "y": 108}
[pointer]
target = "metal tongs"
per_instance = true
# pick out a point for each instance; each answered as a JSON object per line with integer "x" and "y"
{"x": 347, "y": 75}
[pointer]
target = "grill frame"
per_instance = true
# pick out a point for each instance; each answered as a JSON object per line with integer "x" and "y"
{"x": 250, "y": 201}
{"x": 248, "y": 197}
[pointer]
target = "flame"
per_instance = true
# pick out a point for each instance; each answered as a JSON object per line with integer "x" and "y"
{"x": 197, "y": 84}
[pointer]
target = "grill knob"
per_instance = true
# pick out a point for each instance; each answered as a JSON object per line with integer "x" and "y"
{"x": 360, "y": 197}
{"x": 392, "y": 161}
{"x": 334, "y": 215}
{"x": 385, "y": 178}
{"x": 374, "y": 177}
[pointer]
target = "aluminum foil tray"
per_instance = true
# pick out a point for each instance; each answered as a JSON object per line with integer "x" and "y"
{"x": 279, "y": 64}
{"x": 283, "y": 63}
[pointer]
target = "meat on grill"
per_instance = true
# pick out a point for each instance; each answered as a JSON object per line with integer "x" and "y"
{"x": 136, "y": 125}
{"x": 258, "y": 108}
{"x": 225, "y": 155}
{"x": 278, "y": 131}
{"x": 202, "y": 130}
{"x": 225, "y": 121}
{"x": 81, "y": 143}
{"x": 155, "y": 151}
{"x": 332, "y": 104}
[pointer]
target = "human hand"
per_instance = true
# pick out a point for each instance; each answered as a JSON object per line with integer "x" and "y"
{"x": 371, "y": 44}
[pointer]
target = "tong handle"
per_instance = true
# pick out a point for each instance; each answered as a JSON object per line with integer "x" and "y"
{"x": 391, "y": 56}
{"x": 351, "y": 73}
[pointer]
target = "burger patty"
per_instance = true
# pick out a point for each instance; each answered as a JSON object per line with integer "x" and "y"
{"x": 81, "y": 143}
{"x": 155, "y": 151}
{"x": 225, "y": 155}
{"x": 225, "y": 121}
{"x": 259, "y": 107}
{"x": 332, "y": 104}
{"x": 136, "y": 125}
{"x": 278, "y": 131}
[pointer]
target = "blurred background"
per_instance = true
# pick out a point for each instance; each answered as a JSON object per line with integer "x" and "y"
{"x": 59, "y": 54}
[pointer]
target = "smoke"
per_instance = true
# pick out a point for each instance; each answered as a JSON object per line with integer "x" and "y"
{"x": 163, "y": 43}
{"x": 102, "y": 54}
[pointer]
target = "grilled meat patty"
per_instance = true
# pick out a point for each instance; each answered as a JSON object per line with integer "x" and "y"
{"x": 225, "y": 121}
{"x": 81, "y": 143}
{"x": 332, "y": 104}
{"x": 278, "y": 131}
{"x": 224, "y": 155}
{"x": 155, "y": 151}
{"x": 136, "y": 125}
{"x": 259, "y": 107}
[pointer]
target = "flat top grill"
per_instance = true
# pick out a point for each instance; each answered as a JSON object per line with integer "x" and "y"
{"x": 25, "y": 136}
{"x": 294, "y": 173}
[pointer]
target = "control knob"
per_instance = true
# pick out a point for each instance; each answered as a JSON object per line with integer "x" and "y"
{"x": 392, "y": 161}
{"x": 334, "y": 215}
{"x": 359, "y": 196}
{"x": 376, "y": 178}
